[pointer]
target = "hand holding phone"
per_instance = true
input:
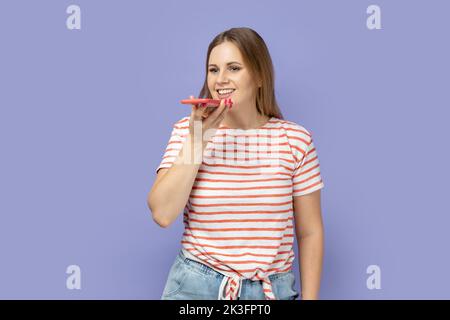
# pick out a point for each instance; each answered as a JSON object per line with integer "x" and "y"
{"x": 211, "y": 115}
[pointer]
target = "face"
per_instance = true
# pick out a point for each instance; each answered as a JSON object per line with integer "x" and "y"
{"x": 226, "y": 70}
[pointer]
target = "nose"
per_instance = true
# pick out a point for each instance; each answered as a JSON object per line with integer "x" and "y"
{"x": 222, "y": 78}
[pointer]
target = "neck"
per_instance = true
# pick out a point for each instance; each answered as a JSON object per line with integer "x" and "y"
{"x": 244, "y": 118}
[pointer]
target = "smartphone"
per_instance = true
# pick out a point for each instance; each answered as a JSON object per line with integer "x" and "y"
{"x": 206, "y": 102}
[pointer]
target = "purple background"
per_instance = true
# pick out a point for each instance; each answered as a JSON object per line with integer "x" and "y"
{"x": 86, "y": 115}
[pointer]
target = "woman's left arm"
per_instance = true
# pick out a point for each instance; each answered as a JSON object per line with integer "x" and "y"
{"x": 310, "y": 239}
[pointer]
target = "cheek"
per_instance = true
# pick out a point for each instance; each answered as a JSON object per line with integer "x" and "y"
{"x": 210, "y": 86}
{"x": 245, "y": 82}
{"x": 248, "y": 88}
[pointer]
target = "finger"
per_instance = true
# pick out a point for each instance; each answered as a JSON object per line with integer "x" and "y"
{"x": 194, "y": 107}
{"x": 208, "y": 111}
{"x": 197, "y": 110}
{"x": 219, "y": 108}
{"x": 219, "y": 114}
{"x": 223, "y": 108}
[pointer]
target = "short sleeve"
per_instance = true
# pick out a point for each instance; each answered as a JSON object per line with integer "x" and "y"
{"x": 177, "y": 137}
{"x": 306, "y": 177}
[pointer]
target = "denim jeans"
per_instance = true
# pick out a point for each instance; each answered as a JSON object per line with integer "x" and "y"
{"x": 192, "y": 280}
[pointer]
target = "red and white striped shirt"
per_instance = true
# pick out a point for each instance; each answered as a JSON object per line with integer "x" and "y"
{"x": 239, "y": 216}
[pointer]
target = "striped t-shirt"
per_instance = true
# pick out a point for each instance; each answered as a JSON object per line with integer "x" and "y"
{"x": 239, "y": 215}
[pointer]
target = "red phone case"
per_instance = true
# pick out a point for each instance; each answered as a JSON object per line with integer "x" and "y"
{"x": 207, "y": 102}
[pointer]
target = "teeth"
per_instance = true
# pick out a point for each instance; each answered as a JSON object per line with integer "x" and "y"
{"x": 226, "y": 91}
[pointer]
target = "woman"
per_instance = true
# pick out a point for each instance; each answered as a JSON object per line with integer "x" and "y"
{"x": 243, "y": 176}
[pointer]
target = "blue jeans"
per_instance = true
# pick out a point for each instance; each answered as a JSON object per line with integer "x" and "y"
{"x": 192, "y": 280}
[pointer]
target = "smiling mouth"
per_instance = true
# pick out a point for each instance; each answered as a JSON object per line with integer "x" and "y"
{"x": 225, "y": 95}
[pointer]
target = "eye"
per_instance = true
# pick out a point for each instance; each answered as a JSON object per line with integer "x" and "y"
{"x": 234, "y": 68}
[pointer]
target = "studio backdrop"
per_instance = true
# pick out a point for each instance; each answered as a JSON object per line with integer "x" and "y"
{"x": 90, "y": 90}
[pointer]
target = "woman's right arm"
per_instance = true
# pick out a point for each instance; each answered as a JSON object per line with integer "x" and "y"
{"x": 172, "y": 187}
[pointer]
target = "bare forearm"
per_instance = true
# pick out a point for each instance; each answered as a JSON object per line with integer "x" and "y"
{"x": 310, "y": 263}
{"x": 169, "y": 196}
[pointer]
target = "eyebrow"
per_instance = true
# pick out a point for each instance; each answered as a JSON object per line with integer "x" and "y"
{"x": 212, "y": 64}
